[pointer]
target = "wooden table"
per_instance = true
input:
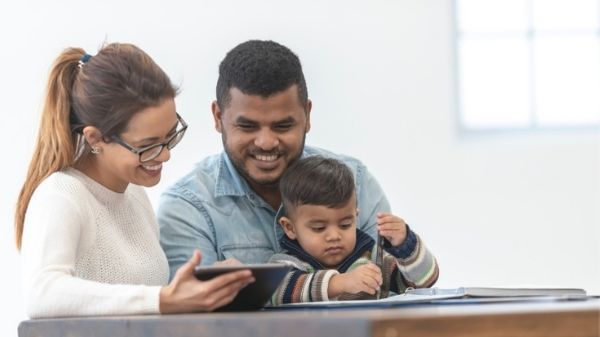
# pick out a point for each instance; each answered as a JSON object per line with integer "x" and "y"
{"x": 540, "y": 318}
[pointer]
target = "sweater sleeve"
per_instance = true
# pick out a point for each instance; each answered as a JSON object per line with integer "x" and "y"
{"x": 302, "y": 284}
{"x": 53, "y": 233}
{"x": 417, "y": 267}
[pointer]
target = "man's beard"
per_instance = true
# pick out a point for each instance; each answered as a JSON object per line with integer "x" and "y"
{"x": 238, "y": 163}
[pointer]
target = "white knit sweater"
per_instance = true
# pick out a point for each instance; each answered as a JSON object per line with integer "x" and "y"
{"x": 87, "y": 250}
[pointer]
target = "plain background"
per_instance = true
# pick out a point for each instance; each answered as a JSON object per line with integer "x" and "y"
{"x": 497, "y": 209}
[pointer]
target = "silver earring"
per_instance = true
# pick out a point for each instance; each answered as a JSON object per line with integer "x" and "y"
{"x": 95, "y": 150}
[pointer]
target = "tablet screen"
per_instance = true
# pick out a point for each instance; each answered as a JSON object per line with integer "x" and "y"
{"x": 255, "y": 295}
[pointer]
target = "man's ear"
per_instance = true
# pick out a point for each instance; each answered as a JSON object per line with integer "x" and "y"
{"x": 288, "y": 227}
{"x": 308, "y": 108}
{"x": 217, "y": 116}
{"x": 92, "y": 135}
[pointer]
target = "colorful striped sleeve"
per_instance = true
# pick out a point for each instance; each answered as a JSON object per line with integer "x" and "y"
{"x": 417, "y": 267}
{"x": 302, "y": 284}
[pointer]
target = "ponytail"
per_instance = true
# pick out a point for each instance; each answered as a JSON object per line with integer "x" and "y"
{"x": 56, "y": 143}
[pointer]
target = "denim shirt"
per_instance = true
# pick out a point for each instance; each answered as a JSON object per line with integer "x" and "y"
{"x": 213, "y": 209}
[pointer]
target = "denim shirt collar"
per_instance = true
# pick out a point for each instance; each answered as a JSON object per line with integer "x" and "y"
{"x": 229, "y": 182}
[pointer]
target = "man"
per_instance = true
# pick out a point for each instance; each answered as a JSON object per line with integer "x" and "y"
{"x": 228, "y": 205}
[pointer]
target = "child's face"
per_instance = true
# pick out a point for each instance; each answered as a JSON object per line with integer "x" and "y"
{"x": 327, "y": 234}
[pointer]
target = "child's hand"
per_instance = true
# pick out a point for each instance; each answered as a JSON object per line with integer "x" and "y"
{"x": 392, "y": 228}
{"x": 366, "y": 278}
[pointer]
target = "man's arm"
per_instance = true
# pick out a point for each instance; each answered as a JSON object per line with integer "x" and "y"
{"x": 185, "y": 226}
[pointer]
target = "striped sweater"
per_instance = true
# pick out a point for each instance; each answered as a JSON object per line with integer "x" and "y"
{"x": 408, "y": 265}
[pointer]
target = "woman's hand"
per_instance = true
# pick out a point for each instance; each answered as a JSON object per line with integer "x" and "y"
{"x": 186, "y": 293}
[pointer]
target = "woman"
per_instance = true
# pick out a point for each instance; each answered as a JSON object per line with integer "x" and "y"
{"x": 84, "y": 225}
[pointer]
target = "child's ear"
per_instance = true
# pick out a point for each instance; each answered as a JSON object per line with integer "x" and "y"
{"x": 288, "y": 227}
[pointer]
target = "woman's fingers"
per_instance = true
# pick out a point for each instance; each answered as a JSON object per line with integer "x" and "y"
{"x": 226, "y": 295}
{"x": 227, "y": 278}
{"x": 188, "y": 267}
{"x": 224, "y": 291}
{"x": 229, "y": 282}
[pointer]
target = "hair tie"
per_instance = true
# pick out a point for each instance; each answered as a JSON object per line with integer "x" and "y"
{"x": 86, "y": 57}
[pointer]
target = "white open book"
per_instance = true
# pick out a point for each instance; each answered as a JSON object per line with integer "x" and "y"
{"x": 438, "y": 295}
{"x": 497, "y": 292}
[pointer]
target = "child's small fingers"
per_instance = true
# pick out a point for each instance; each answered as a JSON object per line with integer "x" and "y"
{"x": 388, "y": 233}
{"x": 392, "y": 219}
{"x": 372, "y": 267}
{"x": 391, "y": 225}
{"x": 391, "y": 232}
{"x": 376, "y": 274}
{"x": 374, "y": 277}
{"x": 369, "y": 286}
{"x": 374, "y": 283}
{"x": 387, "y": 217}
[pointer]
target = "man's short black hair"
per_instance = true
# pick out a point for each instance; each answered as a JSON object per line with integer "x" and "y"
{"x": 316, "y": 180}
{"x": 261, "y": 68}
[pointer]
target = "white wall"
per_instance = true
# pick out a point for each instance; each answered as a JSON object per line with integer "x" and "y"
{"x": 497, "y": 209}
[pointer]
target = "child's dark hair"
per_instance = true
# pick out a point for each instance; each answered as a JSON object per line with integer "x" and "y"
{"x": 261, "y": 68}
{"x": 316, "y": 180}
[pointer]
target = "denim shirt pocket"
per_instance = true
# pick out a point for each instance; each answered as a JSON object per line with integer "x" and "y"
{"x": 247, "y": 252}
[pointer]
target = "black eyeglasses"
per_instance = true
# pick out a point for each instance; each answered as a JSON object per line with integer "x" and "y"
{"x": 150, "y": 152}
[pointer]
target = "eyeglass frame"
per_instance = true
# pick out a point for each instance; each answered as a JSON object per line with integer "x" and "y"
{"x": 140, "y": 151}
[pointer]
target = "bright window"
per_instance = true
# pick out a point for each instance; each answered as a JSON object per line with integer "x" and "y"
{"x": 528, "y": 64}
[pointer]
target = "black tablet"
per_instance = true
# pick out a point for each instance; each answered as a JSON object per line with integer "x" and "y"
{"x": 255, "y": 295}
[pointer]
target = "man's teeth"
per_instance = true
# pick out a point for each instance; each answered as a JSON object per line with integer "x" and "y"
{"x": 271, "y": 157}
{"x": 152, "y": 168}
